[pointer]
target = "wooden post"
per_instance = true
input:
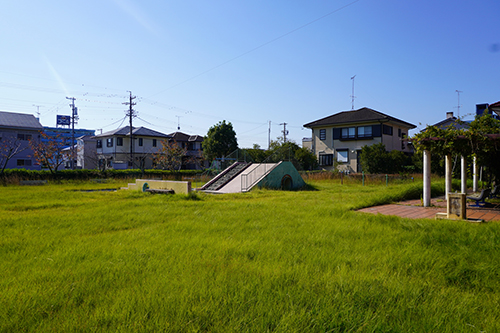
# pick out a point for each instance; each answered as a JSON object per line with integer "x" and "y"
{"x": 427, "y": 178}
{"x": 463, "y": 182}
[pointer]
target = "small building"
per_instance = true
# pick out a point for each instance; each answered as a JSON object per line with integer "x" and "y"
{"x": 86, "y": 152}
{"x": 341, "y": 136}
{"x": 114, "y": 150}
{"x": 16, "y": 131}
{"x": 307, "y": 143}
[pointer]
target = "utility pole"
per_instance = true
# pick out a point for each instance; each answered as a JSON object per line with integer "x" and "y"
{"x": 458, "y": 106}
{"x": 131, "y": 114}
{"x": 269, "y": 136}
{"x": 74, "y": 118}
{"x": 38, "y": 111}
{"x": 284, "y": 131}
{"x": 352, "y": 96}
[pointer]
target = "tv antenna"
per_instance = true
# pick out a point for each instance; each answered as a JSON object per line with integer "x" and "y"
{"x": 352, "y": 96}
{"x": 178, "y": 122}
{"x": 458, "y": 106}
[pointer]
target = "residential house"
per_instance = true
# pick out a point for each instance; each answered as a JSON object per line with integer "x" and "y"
{"x": 452, "y": 121}
{"x": 115, "y": 151}
{"x": 341, "y": 136}
{"x": 16, "y": 131}
{"x": 194, "y": 151}
{"x": 307, "y": 143}
{"x": 86, "y": 152}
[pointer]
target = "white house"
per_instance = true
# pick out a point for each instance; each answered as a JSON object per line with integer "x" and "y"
{"x": 341, "y": 136}
{"x": 114, "y": 150}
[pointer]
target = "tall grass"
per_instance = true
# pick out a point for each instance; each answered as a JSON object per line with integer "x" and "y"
{"x": 263, "y": 261}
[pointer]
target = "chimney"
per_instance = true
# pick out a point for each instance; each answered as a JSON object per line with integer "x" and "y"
{"x": 449, "y": 115}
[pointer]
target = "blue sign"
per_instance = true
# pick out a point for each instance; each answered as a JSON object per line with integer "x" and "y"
{"x": 63, "y": 120}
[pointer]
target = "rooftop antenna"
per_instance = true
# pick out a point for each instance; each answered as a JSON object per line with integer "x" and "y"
{"x": 458, "y": 106}
{"x": 352, "y": 96}
{"x": 178, "y": 122}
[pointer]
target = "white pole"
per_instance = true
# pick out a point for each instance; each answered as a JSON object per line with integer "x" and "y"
{"x": 463, "y": 182}
{"x": 427, "y": 178}
{"x": 474, "y": 177}
{"x": 447, "y": 175}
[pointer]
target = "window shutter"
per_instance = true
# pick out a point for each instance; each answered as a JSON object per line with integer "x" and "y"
{"x": 376, "y": 131}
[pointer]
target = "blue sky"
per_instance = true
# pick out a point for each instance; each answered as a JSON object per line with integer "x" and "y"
{"x": 248, "y": 62}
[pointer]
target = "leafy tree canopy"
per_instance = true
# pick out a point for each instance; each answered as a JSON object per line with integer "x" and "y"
{"x": 375, "y": 159}
{"x": 219, "y": 141}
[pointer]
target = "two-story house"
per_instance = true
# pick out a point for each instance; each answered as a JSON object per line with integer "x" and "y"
{"x": 194, "y": 150}
{"x": 114, "y": 150}
{"x": 341, "y": 136}
{"x": 16, "y": 131}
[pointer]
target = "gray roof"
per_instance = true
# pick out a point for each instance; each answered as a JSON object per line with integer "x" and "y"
{"x": 19, "y": 120}
{"x": 452, "y": 122}
{"x": 179, "y": 136}
{"x": 356, "y": 116}
{"x": 139, "y": 131}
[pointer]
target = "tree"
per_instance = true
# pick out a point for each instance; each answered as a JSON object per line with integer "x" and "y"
{"x": 480, "y": 140}
{"x": 9, "y": 147}
{"x": 219, "y": 141}
{"x": 375, "y": 159}
{"x": 49, "y": 152}
{"x": 302, "y": 158}
{"x": 169, "y": 156}
{"x": 306, "y": 158}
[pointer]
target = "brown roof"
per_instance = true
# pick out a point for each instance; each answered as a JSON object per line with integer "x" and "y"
{"x": 356, "y": 116}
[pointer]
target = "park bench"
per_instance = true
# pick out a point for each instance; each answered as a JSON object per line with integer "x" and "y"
{"x": 32, "y": 182}
{"x": 480, "y": 198}
{"x": 494, "y": 192}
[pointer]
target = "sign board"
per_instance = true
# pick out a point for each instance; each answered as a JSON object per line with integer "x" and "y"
{"x": 456, "y": 207}
{"x": 63, "y": 120}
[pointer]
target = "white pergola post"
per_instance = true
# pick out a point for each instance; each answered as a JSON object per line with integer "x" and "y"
{"x": 474, "y": 176}
{"x": 427, "y": 178}
{"x": 463, "y": 182}
{"x": 447, "y": 174}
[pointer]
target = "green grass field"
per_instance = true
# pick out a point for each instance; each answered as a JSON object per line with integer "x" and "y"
{"x": 263, "y": 261}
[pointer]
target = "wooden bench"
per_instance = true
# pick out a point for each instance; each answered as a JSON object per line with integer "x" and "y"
{"x": 32, "y": 182}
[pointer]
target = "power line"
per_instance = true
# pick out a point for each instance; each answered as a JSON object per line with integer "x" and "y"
{"x": 258, "y": 47}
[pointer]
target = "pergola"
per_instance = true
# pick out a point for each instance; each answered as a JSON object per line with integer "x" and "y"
{"x": 448, "y": 170}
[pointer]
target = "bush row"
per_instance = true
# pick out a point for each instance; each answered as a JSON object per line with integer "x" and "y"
{"x": 15, "y": 175}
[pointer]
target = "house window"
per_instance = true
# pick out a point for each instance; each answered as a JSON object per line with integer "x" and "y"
{"x": 348, "y": 133}
{"x": 154, "y": 142}
{"x": 342, "y": 155}
{"x": 387, "y": 130}
{"x": 365, "y": 132}
{"x": 140, "y": 142}
{"x": 403, "y": 137}
{"x": 22, "y": 162}
{"x": 119, "y": 141}
{"x": 399, "y": 132}
{"x": 326, "y": 160}
{"x": 109, "y": 142}
{"x": 99, "y": 144}
{"x": 322, "y": 134}
{"x": 23, "y": 136}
